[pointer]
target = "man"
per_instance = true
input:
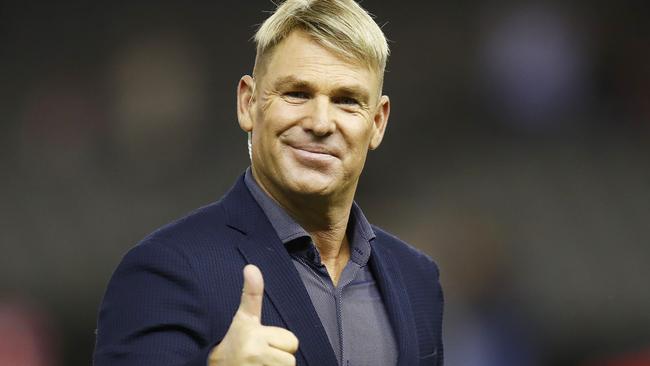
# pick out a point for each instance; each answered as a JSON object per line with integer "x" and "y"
{"x": 320, "y": 285}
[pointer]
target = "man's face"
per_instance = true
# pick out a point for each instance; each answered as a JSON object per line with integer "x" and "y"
{"x": 313, "y": 116}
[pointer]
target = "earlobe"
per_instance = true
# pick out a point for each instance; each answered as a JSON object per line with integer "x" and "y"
{"x": 380, "y": 121}
{"x": 245, "y": 101}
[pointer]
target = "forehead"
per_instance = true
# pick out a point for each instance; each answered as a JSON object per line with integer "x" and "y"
{"x": 300, "y": 56}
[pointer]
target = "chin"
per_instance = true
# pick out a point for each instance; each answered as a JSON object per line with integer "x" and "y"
{"x": 313, "y": 182}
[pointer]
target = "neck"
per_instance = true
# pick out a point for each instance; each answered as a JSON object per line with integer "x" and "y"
{"x": 325, "y": 218}
{"x": 327, "y": 226}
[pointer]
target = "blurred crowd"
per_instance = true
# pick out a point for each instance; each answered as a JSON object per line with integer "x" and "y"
{"x": 518, "y": 148}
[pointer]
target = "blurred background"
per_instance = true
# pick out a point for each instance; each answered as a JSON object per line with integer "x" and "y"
{"x": 517, "y": 155}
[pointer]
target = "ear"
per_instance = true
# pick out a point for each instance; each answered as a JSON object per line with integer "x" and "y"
{"x": 245, "y": 102}
{"x": 380, "y": 120}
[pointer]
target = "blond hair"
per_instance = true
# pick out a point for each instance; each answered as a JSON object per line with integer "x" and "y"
{"x": 341, "y": 26}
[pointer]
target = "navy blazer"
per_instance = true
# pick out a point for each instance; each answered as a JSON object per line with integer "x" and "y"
{"x": 173, "y": 296}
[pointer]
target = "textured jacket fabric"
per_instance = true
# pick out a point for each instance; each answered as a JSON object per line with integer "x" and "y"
{"x": 173, "y": 296}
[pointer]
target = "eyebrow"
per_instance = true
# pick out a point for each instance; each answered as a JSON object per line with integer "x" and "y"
{"x": 354, "y": 91}
{"x": 291, "y": 81}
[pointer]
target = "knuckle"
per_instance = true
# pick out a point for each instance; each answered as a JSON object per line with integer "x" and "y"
{"x": 253, "y": 358}
{"x": 294, "y": 341}
{"x": 243, "y": 317}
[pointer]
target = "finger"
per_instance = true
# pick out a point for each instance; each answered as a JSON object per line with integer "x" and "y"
{"x": 253, "y": 292}
{"x": 281, "y": 339}
{"x": 276, "y": 357}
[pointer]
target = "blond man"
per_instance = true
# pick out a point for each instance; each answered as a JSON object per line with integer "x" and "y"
{"x": 285, "y": 269}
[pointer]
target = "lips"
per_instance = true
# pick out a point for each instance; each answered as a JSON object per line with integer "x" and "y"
{"x": 316, "y": 149}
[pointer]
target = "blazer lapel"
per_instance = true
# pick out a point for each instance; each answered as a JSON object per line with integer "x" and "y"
{"x": 282, "y": 283}
{"x": 396, "y": 300}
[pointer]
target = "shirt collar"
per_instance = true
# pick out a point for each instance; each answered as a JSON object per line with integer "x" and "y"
{"x": 359, "y": 231}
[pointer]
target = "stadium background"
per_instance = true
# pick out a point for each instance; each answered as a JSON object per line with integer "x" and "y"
{"x": 517, "y": 155}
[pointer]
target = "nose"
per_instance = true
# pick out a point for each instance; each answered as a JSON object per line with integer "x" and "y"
{"x": 320, "y": 121}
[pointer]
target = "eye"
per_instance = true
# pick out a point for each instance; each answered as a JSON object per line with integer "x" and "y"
{"x": 298, "y": 95}
{"x": 345, "y": 101}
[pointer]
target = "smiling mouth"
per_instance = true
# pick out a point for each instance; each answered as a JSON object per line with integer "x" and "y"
{"x": 314, "y": 156}
{"x": 315, "y": 150}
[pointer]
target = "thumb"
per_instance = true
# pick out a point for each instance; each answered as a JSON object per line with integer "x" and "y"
{"x": 253, "y": 292}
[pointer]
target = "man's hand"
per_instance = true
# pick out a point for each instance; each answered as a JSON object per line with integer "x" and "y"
{"x": 247, "y": 341}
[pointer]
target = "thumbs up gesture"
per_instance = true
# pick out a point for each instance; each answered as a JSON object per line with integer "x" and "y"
{"x": 247, "y": 341}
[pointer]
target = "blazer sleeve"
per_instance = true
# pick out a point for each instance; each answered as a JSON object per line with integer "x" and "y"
{"x": 153, "y": 312}
{"x": 439, "y": 316}
{"x": 440, "y": 303}
{"x": 437, "y": 299}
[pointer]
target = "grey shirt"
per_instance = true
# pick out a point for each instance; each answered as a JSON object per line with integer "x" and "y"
{"x": 352, "y": 313}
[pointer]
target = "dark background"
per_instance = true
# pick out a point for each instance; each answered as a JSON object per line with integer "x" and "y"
{"x": 516, "y": 155}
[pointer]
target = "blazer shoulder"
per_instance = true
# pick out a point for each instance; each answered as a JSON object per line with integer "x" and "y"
{"x": 406, "y": 254}
{"x": 199, "y": 227}
{"x": 216, "y": 222}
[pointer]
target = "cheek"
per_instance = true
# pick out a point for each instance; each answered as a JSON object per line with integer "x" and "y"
{"x": 280, "y": 117}
{"x": 357, "y": 131}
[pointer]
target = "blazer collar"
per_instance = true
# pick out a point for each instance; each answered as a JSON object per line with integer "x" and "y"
{"x": 261, "y": 246}
{"x": 396, "y": 300}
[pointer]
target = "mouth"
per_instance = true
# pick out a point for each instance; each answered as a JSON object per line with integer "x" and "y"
{"x": 315, "y": 156}
{"x": 315, "y": 149}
